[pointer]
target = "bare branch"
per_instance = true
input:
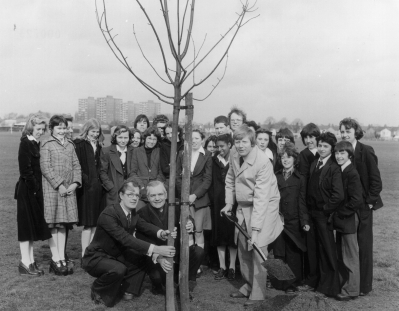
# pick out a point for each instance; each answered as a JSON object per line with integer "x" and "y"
{"x": 182, "y": 25}
{"x": 149, "y": 63}
{"x": 196, "y": 56}
{"x": 219, "y": 80}
{"x": 119, "y": 55}
{"x": 159, "y": 41}
{"x": 190, "y": 28}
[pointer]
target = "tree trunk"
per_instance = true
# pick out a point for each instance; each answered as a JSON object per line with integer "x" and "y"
{"x": 184, "y": 211}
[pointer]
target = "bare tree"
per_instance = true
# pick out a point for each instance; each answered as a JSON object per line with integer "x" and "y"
{"x": 183, "y": 73}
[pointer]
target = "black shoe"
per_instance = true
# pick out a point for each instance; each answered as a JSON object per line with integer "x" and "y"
{"x": 231, "y": 275}
{"x": 57, "y": 268}
{"x": 27, "y": 271}
{"x": 40, "y": 270}
{"x": 68, "y": 266}
{"x": 291, "y": 290}
{"x": 158, "y": 290}
{"x": 238, "y": 295}
{"x": 96, "y": 298}
{"x": 342, "y": 297}
{"x": 221, "y": 274}
{"x": 69, "y": 261}
{"x": 128, "y": 296}
{"x": 305, "y": 288}
{"x": 364, "y": 293}
{"x": 199, "y": 272}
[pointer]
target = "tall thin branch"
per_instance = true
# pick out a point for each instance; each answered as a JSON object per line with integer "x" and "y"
{"x": 190, "y": 28}
{"x": 182, "y": 24}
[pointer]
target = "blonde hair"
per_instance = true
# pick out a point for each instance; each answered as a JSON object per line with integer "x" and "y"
{"x": 90, "y": 125}
{"x": 33, "y": 120}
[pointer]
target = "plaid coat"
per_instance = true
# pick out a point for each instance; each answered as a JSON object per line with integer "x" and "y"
{"x": 60, "y": 166}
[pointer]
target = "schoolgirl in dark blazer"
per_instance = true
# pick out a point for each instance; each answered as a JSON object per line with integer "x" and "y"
{"x": 309, "y": 134}
{"x": 113, "y": 172}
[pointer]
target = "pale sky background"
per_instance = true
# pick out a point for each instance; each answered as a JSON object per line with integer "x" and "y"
{"x": 316, "y": 60}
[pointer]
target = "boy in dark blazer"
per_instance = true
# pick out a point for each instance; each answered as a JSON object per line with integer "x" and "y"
{"x": 324, "y": 195}
{"x": 366, "y": 164}
{"x": 309, "y": 134}
{"x": 115, "y": 257}
{"x": 346, "y": 221}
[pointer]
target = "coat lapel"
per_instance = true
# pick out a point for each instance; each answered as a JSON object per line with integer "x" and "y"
{"x": 116, "y": 161}
{"x": 143, "y": 155}
{"x": 200, "y": 164}
{"x": 325, "y": 169}
{"x": 155, "y": 220}
{"x": 129, "y": 156}
{"x": 121, "y": 215}
{"x": 358, "y": 155}
{"x": 249, "y": 160}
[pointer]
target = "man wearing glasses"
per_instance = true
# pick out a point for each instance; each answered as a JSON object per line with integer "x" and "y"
{"x": 115, "y": 256}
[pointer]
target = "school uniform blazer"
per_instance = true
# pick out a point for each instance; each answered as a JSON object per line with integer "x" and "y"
{"x": 366, "y": 164}
{"x": 344, "y": 217}
{"x": 306, "y": 158}
{"x": 330, "y": 185}
{"x": 114, "y": 237}
{"x": 141, "y": 173}
{"x": 200, "y": 180}
{"x": 111, "y": 172}
{"x": 254, "y": 187}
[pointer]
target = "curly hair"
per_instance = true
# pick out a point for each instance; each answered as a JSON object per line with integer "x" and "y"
{"x": 350, "y": 123}
{"x": 272, "y": 145}
{"x": 225, "y": 138}
{"x": 152, "y": 130}
{"x": 209, "y": 139}
{"x": 328, "y": 138}
{"x": 120, "y": 129}
{"x": 160, "y": 118}
{"x": 239, "y": 112}
{"x": 290, "y": 150}
{"x": 179, "y": 130}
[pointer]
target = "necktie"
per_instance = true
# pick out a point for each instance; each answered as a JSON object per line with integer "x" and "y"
{"x": 319, "y": 164}
{"x": 241, "y": 161}
{"x": 129, "y": 219}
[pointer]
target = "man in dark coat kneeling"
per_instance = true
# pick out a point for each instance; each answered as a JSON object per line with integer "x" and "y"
{"x": 156, "y": 213}
{"x": 115, "y": 256}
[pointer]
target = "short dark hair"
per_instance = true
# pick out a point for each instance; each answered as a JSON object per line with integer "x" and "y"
{"x": 221, "y": 119}
{"x": 160, "y": 118}
{"x": 179, "y": 130}
{"x": 344, "y": 145}
{"x": 119, "y": 130}
{"x": 350, "y": 123}
{"x": 328, "y": 138}
{"x": 152, "y": 130}
{"x": 238, "y": 111}
{"x": 127, "y": 184}
{"x": 68, "y": 117}
{"x": 225, "y": 138}
{"x": 285, "y": 133}
{"x": 272, "y": 145}
{"x": 310, "y": 129}
{"x": 209, "y": 139}
{"x": 253, "y": 124}
{"x": 139, "y": 118}
{"x": 201, "y": 134}
{"x": 290, "y": 150}
{"x": 56, "y": 120}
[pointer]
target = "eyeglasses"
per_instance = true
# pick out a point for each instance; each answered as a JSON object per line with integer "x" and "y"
{"x": 236, "y": 120}
{"x": 132, "y": 195}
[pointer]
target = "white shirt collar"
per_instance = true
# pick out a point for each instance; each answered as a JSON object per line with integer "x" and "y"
{"x": 314, "y": 151}
{"x": 222, "y": 159}
{"x": 124, "y": 210}
{"x": 354, "y": 145}
{"x": 120, "y": 149}
{"x": 30, "y": 137}
{"x": 324, "y": 161}
{"x": 344, "y": 166}
{"x": 201, "y": 150}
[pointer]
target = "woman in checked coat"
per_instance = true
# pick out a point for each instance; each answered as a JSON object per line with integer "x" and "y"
{"x": 61, "y": 176}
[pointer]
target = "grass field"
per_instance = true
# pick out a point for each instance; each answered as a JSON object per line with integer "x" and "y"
{"x": 73, "y": 292}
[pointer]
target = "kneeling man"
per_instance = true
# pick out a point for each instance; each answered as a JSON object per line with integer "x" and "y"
{"x": 115, "y": 257}
{"x": 156, "y": 213}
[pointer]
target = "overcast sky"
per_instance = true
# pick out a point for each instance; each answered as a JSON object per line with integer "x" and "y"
{"x": 316, "y": 60}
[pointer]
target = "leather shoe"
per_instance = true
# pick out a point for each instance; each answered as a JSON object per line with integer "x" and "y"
{"x": 238, "y": 295}
{"x": 57, "y": 268}
{"x": 128, "y": 296}
{"x": 96, "y": 298}
{"x": 305, "y": 288}
{"x": 35, "y": 265}
{"x": 342, "y": 297}
{"x": 158, "y": 290}
{"x": 27, "y": 271}
{"x": 250, "y": 303}
{"x": 364, "y": 294}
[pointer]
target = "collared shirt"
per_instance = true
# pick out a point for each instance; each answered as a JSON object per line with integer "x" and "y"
{"x": 314, "y": 151}
{"x": 93, "y": 143}
{"x": 324, "y": 161}
{"x": 287, "y": 173}
{"x": 195, "y": 156}
{"x": 354, "y": 145}
{"x": 30, "y": 137}
{"x": 123, "y": 153}
{"x": 223, "y": 160}
{"x": 345, "y": 165}
{"x": 269, "y": 153}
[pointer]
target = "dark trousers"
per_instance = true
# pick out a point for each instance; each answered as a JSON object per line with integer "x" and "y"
{"x": 158, "y": 276}
{"x": 365, "y": 241}
{"x": 323, "y": 238}
{"x": 284, "y": 248}
{"x": 111, "y": 273}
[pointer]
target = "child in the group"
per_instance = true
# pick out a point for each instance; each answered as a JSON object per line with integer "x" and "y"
{"x": 264, "y": 141}
{"x": 309, "y": 134}
{"x": 290, "y": 245}
{"x": 324, "y": 195}
{"x": 282, "y": 136}
{"x": 366, "y": 164}
{"x": 346, "y": 221}
{"x": 221, "y": 124}
{"x": 61, "y": 176}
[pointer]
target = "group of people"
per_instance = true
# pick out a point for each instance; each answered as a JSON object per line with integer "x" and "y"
{"x": 290, "y": 203}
